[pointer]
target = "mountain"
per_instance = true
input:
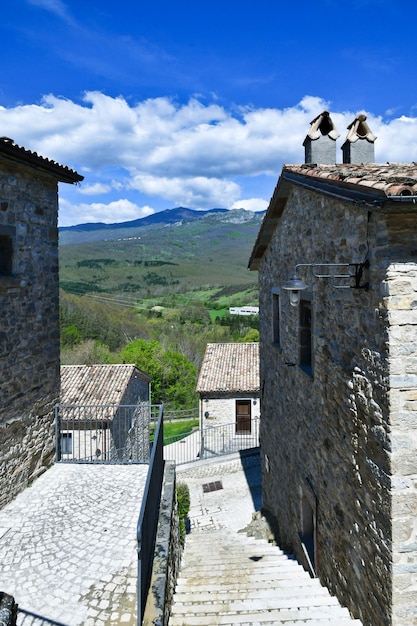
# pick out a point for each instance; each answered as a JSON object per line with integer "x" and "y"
{"x": 98, "y": 230}
{"x": 173, "y": 251}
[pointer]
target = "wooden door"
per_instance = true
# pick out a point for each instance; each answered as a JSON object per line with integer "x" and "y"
{"x": 243, "y": 416}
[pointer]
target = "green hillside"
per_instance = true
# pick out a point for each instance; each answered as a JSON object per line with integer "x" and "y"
{"x": 206, "y": 256}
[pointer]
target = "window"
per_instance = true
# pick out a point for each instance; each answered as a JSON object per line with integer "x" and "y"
{"x": 66, "y": 443}
{"x": 6, "y": 255}
{"x": 276, "y": 322}
{"x": 305, "y": 336}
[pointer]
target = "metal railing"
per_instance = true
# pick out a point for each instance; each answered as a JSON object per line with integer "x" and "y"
{"x": 110, "y": 433}
{"x": 148, "y": 517}
{"x": 181, "y": 415}
{"x": 211, "y": 441}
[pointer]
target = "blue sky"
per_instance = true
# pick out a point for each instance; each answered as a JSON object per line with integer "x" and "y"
{"x": 162, "y": 104}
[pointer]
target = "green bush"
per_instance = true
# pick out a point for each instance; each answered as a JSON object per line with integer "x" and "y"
{"x": 183, "y": 499}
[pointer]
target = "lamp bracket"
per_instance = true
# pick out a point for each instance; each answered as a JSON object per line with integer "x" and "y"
{"x": 338, "y": 273}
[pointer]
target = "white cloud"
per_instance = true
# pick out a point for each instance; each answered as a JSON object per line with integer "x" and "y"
{"x": 95, "y": 189}
{"x": 251, "y": 204}
{"x": 118, "y": 211}
{"x": 191, "y": 154}
{"x": 197, "y": 193}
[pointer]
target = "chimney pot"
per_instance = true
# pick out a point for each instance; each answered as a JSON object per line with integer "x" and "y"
{"x": 320, "y": 142}
{"x": 359, "y": 143}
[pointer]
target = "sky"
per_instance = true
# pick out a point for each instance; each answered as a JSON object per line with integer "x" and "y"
{"x": 169, "y": 103}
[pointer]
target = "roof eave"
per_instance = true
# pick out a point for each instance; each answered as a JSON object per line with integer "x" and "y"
{"x": 17, "y": 155}
{"x": 269, "y": 222}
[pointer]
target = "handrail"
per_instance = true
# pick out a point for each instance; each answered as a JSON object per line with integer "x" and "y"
{"x": 148, "y": 517}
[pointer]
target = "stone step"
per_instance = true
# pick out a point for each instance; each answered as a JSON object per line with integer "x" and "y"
{"x": 262, "y": 618}
{"x": 325, "y": 602}
{"x": 236, "y": 555}
{"x": 227, "y": 578}
{"x": 232, "y": 586}
{"x": 188, "y": 596}
{"x": 242, "y": 579}
{"x": 222, "y": 568}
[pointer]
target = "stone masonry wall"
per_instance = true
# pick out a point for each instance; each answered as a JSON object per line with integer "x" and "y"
{"x": 401, "y": 309}
{"x": 325, "y": 433}
{"x": 29, "y": 329}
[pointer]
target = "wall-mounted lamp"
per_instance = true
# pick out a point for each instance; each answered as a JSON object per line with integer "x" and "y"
{"x": 295, "y": 285}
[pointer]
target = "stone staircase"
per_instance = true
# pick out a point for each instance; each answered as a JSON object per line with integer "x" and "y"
{"x": 229, "y": 578}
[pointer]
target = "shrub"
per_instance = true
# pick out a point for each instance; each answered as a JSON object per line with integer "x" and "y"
{"x": 183, "y": 499}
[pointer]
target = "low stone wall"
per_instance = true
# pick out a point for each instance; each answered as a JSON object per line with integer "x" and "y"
{"x": 167, "y": 555}
{"x": 8, "y": 610}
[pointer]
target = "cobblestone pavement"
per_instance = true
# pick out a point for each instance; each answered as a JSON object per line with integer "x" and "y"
{"x": 68, "y": 546}
{"x": 233, "y": 504}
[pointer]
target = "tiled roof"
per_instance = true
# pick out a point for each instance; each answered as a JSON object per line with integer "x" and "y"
{"x": 229, "y": 367}
{"x": 373, "y": 186}
{"x": 96, "y": 384}
{"x": 392, "y": 179}
{"x": 17, "y": 154}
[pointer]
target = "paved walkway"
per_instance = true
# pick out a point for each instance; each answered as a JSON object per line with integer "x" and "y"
{"x": 234, "y": 504}
{"x": 68, "y": 546}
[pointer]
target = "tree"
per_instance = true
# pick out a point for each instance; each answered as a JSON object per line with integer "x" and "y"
{"x": 173, "y": 375}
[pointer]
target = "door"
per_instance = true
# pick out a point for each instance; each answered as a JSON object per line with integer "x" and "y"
{"x": 243, "y": 416}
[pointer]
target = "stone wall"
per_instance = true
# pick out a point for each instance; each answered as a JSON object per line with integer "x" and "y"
{"x": 401, "y": 305}
{"x": 29, "y": 331}
{"x": 326, "y": 432}
{"x": 167, "y": 558}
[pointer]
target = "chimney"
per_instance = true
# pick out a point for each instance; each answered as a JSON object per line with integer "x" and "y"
{"x": 359, "y": 143}
{"x": 320, "y": 143}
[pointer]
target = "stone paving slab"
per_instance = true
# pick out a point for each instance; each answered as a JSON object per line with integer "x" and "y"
{"x": 233, "y": 505}
{"x": 68, "y": 546}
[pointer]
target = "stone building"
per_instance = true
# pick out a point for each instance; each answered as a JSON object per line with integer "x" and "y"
{"x": 29, "y": 299}
{"x": 104, "y": 413}
{"x": 228, "y": 385}
{"x": 337, "y": 262}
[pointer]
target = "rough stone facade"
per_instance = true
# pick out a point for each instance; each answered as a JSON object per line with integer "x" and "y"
{"x": 29, "y": 328}
{"x": 339, "y": 437}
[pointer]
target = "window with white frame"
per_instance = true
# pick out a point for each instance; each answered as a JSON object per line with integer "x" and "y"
{"x": 66, "y": 443}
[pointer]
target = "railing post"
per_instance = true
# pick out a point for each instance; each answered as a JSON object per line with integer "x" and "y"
{"x": 57, "y": 435}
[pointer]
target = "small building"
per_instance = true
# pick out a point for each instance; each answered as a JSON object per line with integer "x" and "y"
{"x": 29, "y": 305}
{"x": 337, "y": 263}
{"x": 244, "y": 310}
{"x": 104, "y": 413}
{"x": 228, "y": 385}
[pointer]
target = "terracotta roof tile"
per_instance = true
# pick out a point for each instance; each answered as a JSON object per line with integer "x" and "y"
{"x": 96, "y": 384}
{"x": 229, "y": 367}
{"x": 391, "y": 178}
